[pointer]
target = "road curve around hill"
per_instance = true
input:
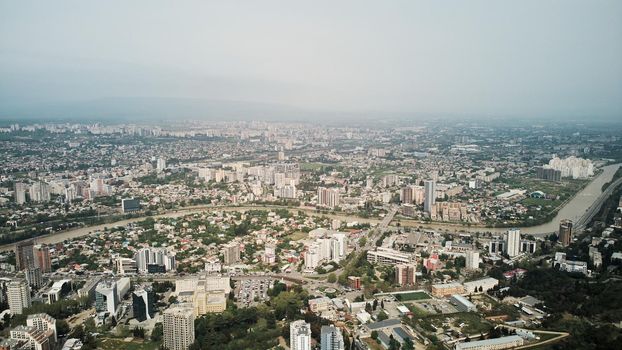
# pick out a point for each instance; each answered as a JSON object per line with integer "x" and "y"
{"x": 581, "y": 204}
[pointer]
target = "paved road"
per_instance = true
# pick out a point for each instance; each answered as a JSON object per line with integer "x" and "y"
{"x": 595, "y": 207}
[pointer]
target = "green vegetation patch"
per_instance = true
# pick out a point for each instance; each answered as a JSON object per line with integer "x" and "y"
{"x": 135, "y": 344}
{"x": 419, "y": 295}
{"x": 296, "y": 236}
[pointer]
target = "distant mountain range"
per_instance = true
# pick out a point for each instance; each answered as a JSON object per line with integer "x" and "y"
{"x": 160, "y": 108}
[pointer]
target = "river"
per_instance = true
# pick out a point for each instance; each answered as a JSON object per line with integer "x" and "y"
{"x": 573, "y": 210}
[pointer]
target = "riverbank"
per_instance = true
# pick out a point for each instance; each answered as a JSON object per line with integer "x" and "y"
{"x": 573, "y": 210}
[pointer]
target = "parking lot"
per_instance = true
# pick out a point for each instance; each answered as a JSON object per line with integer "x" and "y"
{"x": 249, "y": 292}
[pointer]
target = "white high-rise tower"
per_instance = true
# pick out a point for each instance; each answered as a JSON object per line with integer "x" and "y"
{"x": 300, "y": 335}
{"x": 430, "y": 195}
{"x": 513, "y": 242}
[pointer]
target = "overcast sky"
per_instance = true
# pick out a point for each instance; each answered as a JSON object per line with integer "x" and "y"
{"x": 514, "y": 58}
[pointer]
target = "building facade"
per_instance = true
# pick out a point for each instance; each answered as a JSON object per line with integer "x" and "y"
{"x": 299, "y": 335}
{"x": 178, "y": 325}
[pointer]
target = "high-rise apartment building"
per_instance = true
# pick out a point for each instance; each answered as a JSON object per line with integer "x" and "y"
{"x": 405, "y": 274}
{"x": 331, "y": 338}
{"x": 18, "y": 293}
{"x": 33, "y": 338}
{"x": 565, "y": 232}
{"x": 472, "y": 260}
{"x": 149, "y": 260}
{"x": 161, "y": 164}
{"x": 178, "y": 327}
{"x": 20, "y": 192}
{"x": 24, "y": 254}
{"x": 39, "y": 192}
{"x": 430, "y": 195}
{"x": 42, "y": 258}
{"x": 34, "y": 277}
{"x": 43, "y": 322}
{"x": 300, "y": 335}
{"x": 407, "y": 194}
{"x": 231, "y": 253}
{"x": 328, "y": 197}
{"x": 513, "y": 242}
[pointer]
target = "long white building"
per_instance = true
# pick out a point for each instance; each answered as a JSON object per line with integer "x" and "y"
{"x": 388, "y": 256}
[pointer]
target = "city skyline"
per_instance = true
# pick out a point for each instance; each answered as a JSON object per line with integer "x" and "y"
{"x": 327, "y": 175}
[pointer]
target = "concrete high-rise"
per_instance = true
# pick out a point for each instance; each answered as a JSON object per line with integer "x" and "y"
{"x": 405, "y": 274}
{"x": 472, "y": 260}
{"x": 42, "y": 258}
{"x": 331, "y": 338}
{"x": 34, "y": 277}
{"x": 43, "y": 322}
{"x": 178, "y": 327}
{"x": 40, "y": 192}
{"x": 300, "y": 335}
{"x": 20, "y": 192}
{"x": 161, "y": 164}
{"x": 24, "y": 254}
{"x": 231, "y": 253}
{"x": 565, "y": 232}
{"x": 430, "y": 195}
{"x": 154, "y": 259}
{"x": 513, "y": 242}
{"x": 328, "y": 197}
{"x": 18, "y": 294}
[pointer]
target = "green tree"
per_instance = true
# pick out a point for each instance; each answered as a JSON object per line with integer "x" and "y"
{"x": 382, "y": 316}
{"x": 332, "y": 278}
{"x": 62, "y": 327}
{"x": 157, "y": 333}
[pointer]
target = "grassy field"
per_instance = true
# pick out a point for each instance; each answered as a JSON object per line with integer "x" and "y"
{"x": 565, "y": 188}
{"x": 412, "y": 296}
{"x": 312, "y": 166}
{"x": 473, "y": 323}
{"x": 417, "y": 311}
{"x": 114, "y": 344}
{"x": 296, "y": 236}
{"x": 373, "y": 345}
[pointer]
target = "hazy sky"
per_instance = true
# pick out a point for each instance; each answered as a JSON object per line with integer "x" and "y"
{"x": 523, "y": 58}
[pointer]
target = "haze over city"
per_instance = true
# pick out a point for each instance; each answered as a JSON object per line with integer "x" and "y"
{"x": 223, "y": 60}
{"x": 326, "y": 175}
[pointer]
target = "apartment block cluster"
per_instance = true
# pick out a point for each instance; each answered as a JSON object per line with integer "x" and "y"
{"x": 147, "y": 260}
{"x": 576, "y": 168}
{"x": 331, "y": 337}
{"x": 511, "y": 244}
{"x": 413, "y": 196}
{"x": 67, "y": 191}
{"x": 39, "y": 333}
{"x": 327, "y": 246}
{"x": 282, "y": 176}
